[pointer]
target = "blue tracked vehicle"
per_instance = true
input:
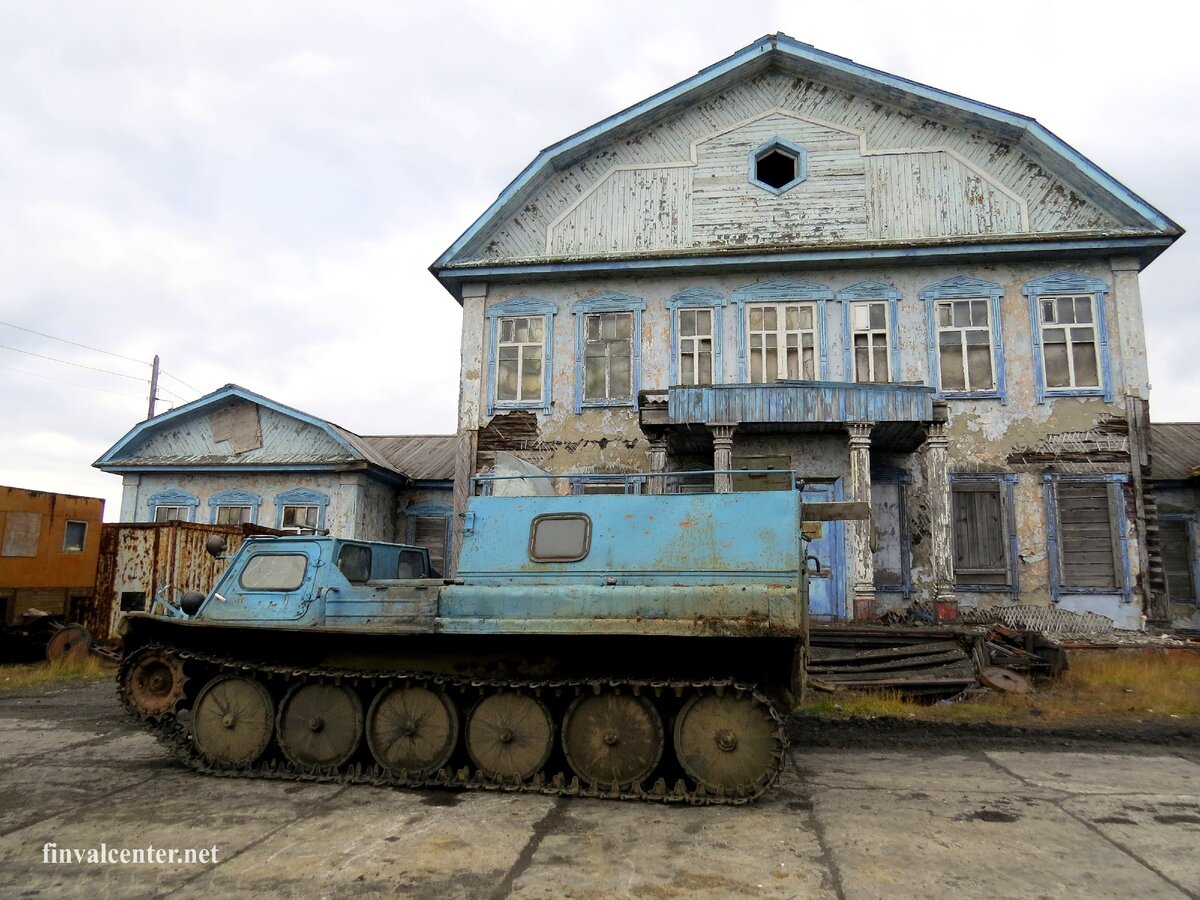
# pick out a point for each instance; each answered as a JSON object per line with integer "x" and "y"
{"x": 600, "y": 645}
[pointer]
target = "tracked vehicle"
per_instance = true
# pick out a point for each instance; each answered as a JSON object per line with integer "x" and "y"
{"x": 628, "y": 646}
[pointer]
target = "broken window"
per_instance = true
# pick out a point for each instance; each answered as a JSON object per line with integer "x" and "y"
{"x": 869, "y": 341}
{"x": 981, "y": 534}
{"x": 782, "y": 342}
{"x": 300, "y": 519}
{"x": 520, "y": 356}
{"x": 964, "y": 340}
{"x": 74, "y": 537}
{"x": 172, "y": 513}
{"x": 695, "y": 350}
{"x": 608, "y": 356}
{"x": 1070, "y": 350}
{"x": 234, "y": 515}
{"x": 1089, "y": 555}
{"x": 133, "y": 601}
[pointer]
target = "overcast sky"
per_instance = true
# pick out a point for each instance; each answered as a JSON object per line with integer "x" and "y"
{"x": 254, "y": 191}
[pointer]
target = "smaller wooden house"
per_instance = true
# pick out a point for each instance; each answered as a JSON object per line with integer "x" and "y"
{"x": 234, "y": 457}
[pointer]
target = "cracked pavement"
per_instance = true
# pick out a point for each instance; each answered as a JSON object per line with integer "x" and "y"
{"x": 1121, "y": 820}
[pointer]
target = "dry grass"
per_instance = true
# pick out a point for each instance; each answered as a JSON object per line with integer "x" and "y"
{"x": 90, "y": 668}
{"x": 1100, "y": 686}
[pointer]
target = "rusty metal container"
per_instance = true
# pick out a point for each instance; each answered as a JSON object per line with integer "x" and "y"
{"x": 138, "y": 559}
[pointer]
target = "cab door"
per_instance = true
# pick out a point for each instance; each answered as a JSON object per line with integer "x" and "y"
{"x": 273, "y": 583}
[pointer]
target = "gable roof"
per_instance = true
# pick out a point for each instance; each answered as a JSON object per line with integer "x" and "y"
{"x": 122, "y": 455}
{"x": 786, "y": 53}
{"x": 422, "y": 457}
{"x": 1174, "y": 450}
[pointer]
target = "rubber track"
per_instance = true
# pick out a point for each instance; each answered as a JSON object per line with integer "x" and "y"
{"x": 172, "y": 731}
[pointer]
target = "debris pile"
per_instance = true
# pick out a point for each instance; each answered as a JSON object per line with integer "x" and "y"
{"x": 915, "y": 661}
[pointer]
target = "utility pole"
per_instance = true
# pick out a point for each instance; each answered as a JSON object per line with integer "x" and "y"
{"x": 153, "y": 387}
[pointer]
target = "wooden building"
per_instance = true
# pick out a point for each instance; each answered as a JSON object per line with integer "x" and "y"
{"x": 234, "y": 457}
{"x": 791, "y": 260}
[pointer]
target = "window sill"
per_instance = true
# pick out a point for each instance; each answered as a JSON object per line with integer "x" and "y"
{"x": 972, "y": 395}
{"x": 507, "y": 404}
{"x": 596, "y": 404}
{"x": 1051, "y": 393}
{"x": 984, "y": 588}
{"x": 1114, "y": 591}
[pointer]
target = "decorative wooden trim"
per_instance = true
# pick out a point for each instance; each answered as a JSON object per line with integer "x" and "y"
{"x": 609, "y": 301}
{"x": 697, "y": 298}
{"x": 173, "y": 497}
{"x": 1069, "y": 283}
{"x": 965, "y": 287}
{"x": 521, "y": 306}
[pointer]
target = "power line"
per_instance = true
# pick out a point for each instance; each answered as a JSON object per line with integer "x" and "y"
{"x": 69, "y": 363}
{"x": 72, "y": 383}
{"x": 181, "y": 381}
{"x": 140, "y": 362}
{"x": 167, "y": 390}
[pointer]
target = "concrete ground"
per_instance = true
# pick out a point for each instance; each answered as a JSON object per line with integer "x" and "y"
{"x": 1123, "y": 822}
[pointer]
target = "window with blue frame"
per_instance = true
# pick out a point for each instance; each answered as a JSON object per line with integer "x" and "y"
{"x": 984, "y": 532}
{"x": 781, "y": 331}
{"x": 1087, "y": 548}
{"x": 608, "y": 333}
{"x": 521, "y": 353}
{"x": 1070, "y": 336}
{"x": 966, "y": 344}
{"x": 870, "y": 332}
{"x": 696, "y": 336}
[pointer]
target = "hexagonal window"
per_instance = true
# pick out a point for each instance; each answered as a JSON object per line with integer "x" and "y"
{"x": 778, "y": 165}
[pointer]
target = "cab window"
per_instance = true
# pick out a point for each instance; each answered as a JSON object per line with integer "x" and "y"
{"x": 274, "y": 572}
{"x": 354, "y": 561}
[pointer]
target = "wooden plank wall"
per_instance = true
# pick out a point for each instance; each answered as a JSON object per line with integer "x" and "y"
{"x": 554, "y": 220}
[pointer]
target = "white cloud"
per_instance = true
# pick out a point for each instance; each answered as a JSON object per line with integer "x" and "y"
{"x": 254, "y": 191}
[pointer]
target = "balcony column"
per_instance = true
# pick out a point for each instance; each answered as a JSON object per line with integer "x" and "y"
{"x": 861, "y": 529}
{"x": 937, "y": 492}
{"x": 722, "y": 457}
{"x": 658, "y": 462}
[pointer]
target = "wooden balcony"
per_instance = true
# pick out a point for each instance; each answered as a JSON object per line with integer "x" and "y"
{"x": 898, "y": 410}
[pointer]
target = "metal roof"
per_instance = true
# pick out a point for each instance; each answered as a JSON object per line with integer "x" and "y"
{"x": 422, "y": 457}
{"x": 1174, "y": 449}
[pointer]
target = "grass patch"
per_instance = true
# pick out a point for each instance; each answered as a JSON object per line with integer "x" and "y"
{"x": 90, "y": 668}
{"x": 1157, "y": 685}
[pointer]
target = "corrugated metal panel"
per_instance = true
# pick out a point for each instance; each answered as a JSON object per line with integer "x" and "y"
{"x": 146, "y": 556}
{"x": 1174, "y": 449}
{"x": 422, "y": 457}
{"x": 817, "y": 401}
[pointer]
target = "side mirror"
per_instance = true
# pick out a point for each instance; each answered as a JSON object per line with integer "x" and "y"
{"x": 191, "y": 601}
{"x": 215, "y": 546}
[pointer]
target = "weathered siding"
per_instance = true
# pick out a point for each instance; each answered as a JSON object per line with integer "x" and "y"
{"x": 280, "y": 439}
{"x": 880, "y": 171}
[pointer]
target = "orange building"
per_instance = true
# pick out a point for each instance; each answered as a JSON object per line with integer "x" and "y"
{"x": 49, "y": 545}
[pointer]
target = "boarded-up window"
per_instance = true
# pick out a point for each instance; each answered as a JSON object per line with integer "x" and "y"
{"x": 430, "y": 532}
{"x": 21, "y": 532}
{"x": 888, "y": 546}
{"x": 774, "y": 473}
{"x": 1087, "y": 546}
{"x": 980, "y": 543}
{"x": 1177, "y": 551}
